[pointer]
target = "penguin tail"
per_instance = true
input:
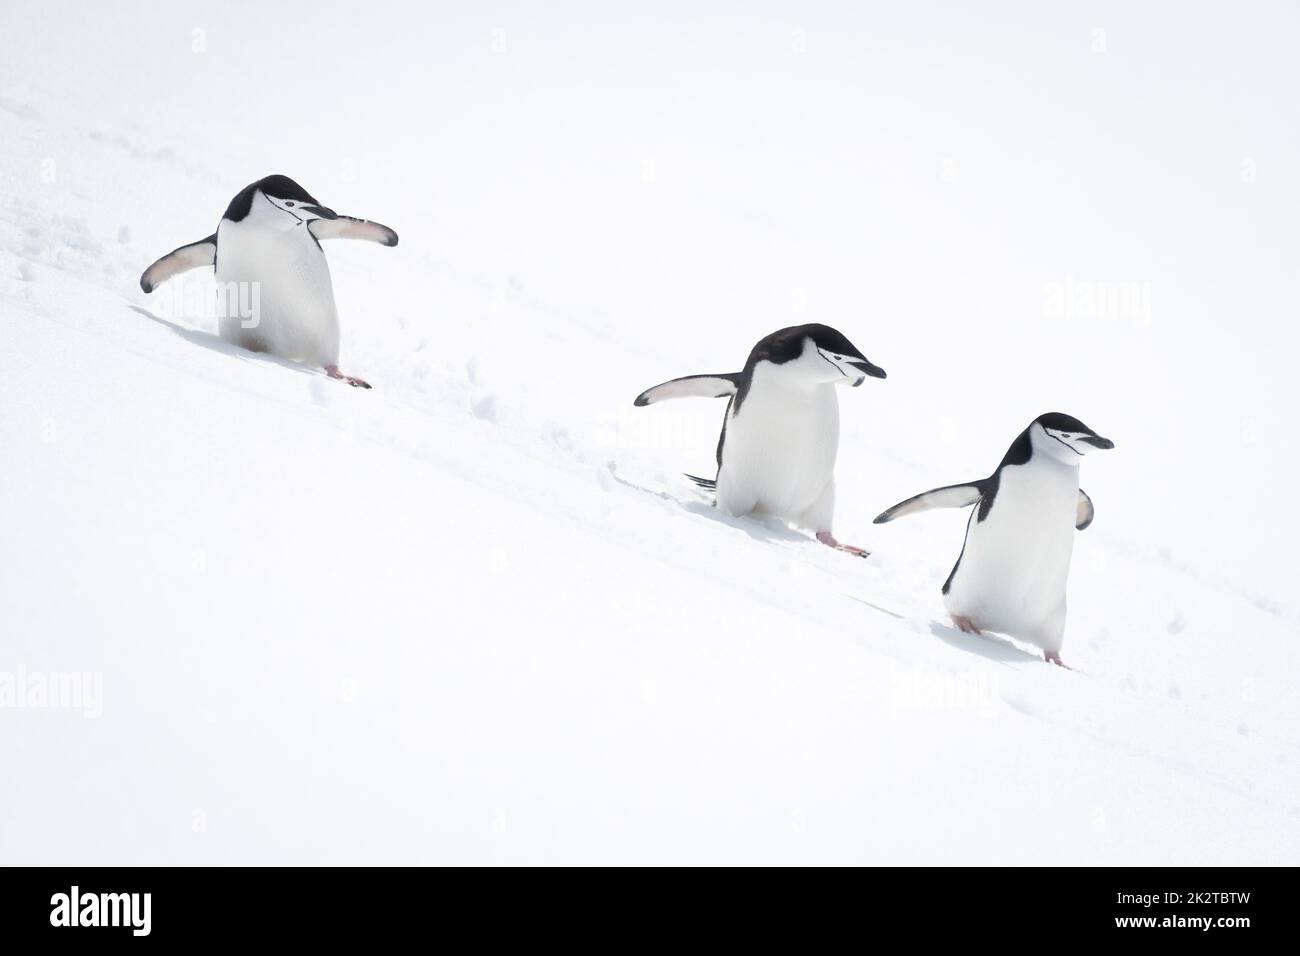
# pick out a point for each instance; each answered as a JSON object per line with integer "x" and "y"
{"x": 708, "y": 484}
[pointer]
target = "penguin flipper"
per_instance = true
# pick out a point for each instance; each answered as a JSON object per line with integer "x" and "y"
{"x": 1083, "y": 511}
{"x": 692, "y": 386}
{"x": 348, "y": 227}
{"x": 949, "y": 496}
{"x": 193, "y": 256}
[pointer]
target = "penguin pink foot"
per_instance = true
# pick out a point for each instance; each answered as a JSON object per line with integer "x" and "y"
{"x": 333, "y": 372}
{"x": 828, "y": 539}
{"x": 965, "y": 624}
{"x": 1052, "y": 657}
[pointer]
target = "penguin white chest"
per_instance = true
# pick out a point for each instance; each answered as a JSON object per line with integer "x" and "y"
{"x": 1012, "y": 573}
{"x": 283, "y": 273}
{"x": 779, "y": 454}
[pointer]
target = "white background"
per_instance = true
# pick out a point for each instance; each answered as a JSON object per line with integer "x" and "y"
{"x": 476, "y": 614}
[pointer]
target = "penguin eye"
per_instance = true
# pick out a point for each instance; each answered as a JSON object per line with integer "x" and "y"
{"x": 288, "y": 202}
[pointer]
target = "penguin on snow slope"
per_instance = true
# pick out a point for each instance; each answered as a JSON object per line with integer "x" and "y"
{"x": 1011, "y": 574}
{"x": 268, "y": 241}
{"x": 781, "y": 430}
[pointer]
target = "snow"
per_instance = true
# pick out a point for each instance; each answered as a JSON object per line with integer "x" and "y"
{"x": 477, "y": 614}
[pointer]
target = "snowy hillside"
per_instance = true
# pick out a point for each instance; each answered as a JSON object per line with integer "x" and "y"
{"x": 476, "y": 614}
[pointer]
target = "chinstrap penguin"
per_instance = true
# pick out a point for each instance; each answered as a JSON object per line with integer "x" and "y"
{"x": 269, "y": 237}
{"x": 1011, "y": 574}
{"x": 781, "y": 430}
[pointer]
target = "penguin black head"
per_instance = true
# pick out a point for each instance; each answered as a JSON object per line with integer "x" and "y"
{"x": 277, "y": 201}
{"x": 816, "y": 353}
{"x": 1065, "y": 437}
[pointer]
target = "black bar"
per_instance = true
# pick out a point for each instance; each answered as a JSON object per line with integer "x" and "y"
{"x": 333, "y": 906}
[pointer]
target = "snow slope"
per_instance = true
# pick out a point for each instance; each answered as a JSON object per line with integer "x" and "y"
{"x": 476, "y": 614}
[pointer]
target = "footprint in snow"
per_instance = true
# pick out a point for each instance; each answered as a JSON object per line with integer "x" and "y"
{"x": 1020, "y": 703}
{"x": 321, "y": 391}
{"x": 484, "y": 407}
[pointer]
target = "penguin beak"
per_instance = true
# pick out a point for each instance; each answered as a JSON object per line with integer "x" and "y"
{"x": 862, "y": 365}
{"x": 319, "y": 212}
{"x": 1098, "y": 442}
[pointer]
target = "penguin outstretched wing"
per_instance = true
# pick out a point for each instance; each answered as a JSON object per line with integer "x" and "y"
{"x": 1083, "y": 511}
{"x": 348, "y": 227}
{"x": 696, "y": 386}
{"x": 963, "y": 496}
{"x": 949, "y": 496}
{"x": 193, "y": 256}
